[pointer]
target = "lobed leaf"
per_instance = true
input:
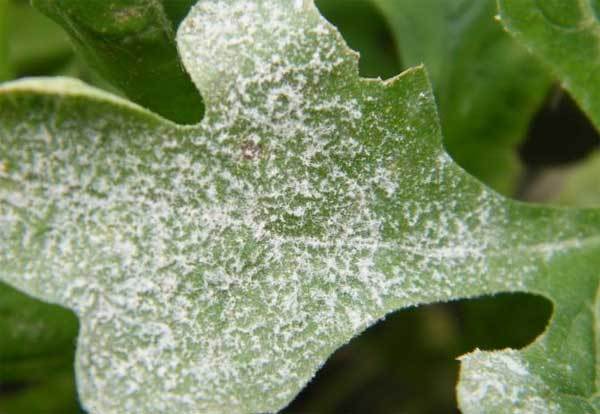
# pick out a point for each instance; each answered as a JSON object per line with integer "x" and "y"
{"x": 215, "y": 267}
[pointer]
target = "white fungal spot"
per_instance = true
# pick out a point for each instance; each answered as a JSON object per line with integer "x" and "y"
{"x": 215, "y": 267}
{"x": 502, "y": 382}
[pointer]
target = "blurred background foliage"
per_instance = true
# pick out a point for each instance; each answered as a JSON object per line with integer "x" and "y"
{"x": 504, "y": 118}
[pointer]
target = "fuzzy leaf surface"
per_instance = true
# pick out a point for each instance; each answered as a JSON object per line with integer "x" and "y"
{"x": 215, "y": 267}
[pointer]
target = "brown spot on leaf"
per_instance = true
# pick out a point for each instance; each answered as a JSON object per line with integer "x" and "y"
{"x": 251, "y": 150}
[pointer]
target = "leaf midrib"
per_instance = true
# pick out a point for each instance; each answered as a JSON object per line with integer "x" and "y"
{"x": 447, "y": 252}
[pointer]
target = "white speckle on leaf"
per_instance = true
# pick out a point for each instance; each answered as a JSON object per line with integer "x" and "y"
{"x": 501, "y": 382}
{"x": 215, "y": 267}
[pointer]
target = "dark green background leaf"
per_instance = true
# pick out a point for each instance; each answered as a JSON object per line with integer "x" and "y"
{"x": 487, "y": 86}
{"x": 131, "y": 43}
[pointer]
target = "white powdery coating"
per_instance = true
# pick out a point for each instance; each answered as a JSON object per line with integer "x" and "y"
{"x": 501, "y": 382}
{"x": 214, "y": 268}
{"x": 169, "y": 250}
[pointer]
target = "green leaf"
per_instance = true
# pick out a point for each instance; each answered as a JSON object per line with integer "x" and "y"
{"x": 5, "y": 72}
{"x": 32, "y": 330}
{"x": 55, "y": 395}
{"x": 131, "y": 43}
{"x": 37, "y": 345}
{"x": 37, "y": 45}
{"x": 565, "y": 35}
{"x": 487, "y": 86}
{"x": 215, "y": 267}
{"x": 36, "y": 355}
